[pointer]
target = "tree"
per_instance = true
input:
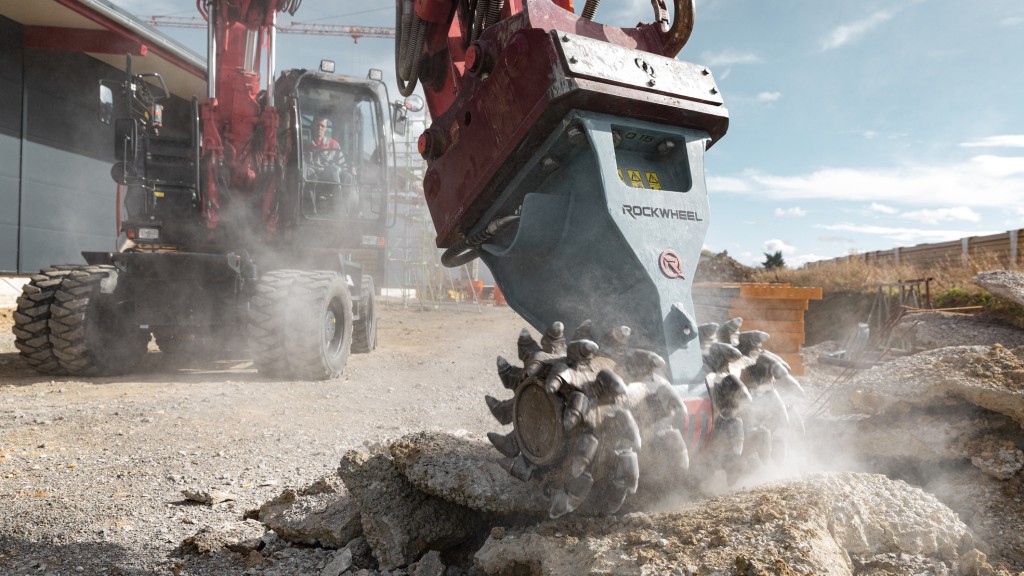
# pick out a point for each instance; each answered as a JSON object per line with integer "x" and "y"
{"x": 773, "y": 261}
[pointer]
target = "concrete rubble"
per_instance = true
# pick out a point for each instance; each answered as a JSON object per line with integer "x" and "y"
{"x": 321, "y": 514}
{"x": 936, "y": 440}
{"x": 1008, "y": 284}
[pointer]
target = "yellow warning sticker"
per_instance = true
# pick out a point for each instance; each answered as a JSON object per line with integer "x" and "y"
{"x": 635, "y": 180}
{"x": 158, "y": 194}
{"x": 653, "y": 181}
{"x": 621, "y": 177}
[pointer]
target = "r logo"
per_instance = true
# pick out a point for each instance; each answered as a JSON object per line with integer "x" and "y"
{"x": 670, "y": 264}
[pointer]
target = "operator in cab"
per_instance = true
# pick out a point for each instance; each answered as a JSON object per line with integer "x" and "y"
{"x": 327, "y": 169}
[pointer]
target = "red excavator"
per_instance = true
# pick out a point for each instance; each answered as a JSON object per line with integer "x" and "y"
{"x": 568, "y": 156}
{"x": 253, "y": 211}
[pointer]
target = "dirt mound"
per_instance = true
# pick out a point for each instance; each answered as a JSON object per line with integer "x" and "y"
{"x": 721, "y": 268}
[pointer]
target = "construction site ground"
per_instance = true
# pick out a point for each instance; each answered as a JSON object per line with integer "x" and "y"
{"x": 92, "y": 470}
{"x": 114, "y": 475}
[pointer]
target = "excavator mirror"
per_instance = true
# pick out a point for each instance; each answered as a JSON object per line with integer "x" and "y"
{"x": 105, "y": 112}
{"x": 375, "y": 74}
{"x": 414, "y": 103}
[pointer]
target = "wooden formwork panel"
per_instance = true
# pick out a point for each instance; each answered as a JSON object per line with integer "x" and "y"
{"x": 771, "y": 327}
{"x": 768, "y": 314}
{"x": 768, "y": 304}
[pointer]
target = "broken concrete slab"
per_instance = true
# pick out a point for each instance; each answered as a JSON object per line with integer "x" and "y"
{"x": 467, "y": 471}
{"x": 322, "y": 514}
{"x": 1008, "y": 284}
{"x": 991, "y": 377}
{"x": 824, "y": 525}
{"x": 238, "y": 537}
{"x": 400, "y": 522}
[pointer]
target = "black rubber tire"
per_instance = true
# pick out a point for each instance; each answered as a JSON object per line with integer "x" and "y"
{"x": 267, "y": 311}
{"x": 32, "y": 319}
{"x": 318, "y": 327}
{"x": 364, "y": 330}
{"x": 92, "y": 333}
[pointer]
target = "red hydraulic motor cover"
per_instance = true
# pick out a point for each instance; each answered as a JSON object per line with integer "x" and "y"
{"x": 500, "y": 75}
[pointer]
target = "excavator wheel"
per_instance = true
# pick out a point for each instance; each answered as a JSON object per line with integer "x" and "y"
{"x": 267, "y": 310}
{"x": 91, "y": 331}
{"x": 301, "y": 325}
{"x": 318, "y": 329}
{"x": 32, "y": 319}
{"x": 364, "y": 330}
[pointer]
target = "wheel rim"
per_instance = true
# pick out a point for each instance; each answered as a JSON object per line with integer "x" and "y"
{"x": 333, "y": 335}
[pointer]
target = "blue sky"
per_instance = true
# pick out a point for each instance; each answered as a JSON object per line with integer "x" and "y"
{"x": 855, "y": 126}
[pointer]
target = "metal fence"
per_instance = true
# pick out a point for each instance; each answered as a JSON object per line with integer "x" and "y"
{"x": 994, "y": 250}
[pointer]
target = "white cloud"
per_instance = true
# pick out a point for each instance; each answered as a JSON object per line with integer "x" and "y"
{"x": 794, "y": 211}
{"x": 853, "y": 31}
{"x": 988, "y": 180}
{"x": 776, "y": 245}
{"x": 768, "y": 96}
{"x": 868, "y": 134}
{"x": 882, "y": 208}
{"x": 1002, "y": 141}
{"x": 903, "y": 235}
{"x": 1011, "y": 21}
{"x": 729, "y": 58}
{"x": 934, "y": 216}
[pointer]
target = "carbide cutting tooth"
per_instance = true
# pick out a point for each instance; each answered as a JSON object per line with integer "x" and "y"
{"x": 586, "y": 448}
{"x": 729, "y": 393}
{"x": 575, "y": 408}
{"x": 614, "y": 342}
{"x": 729, "y": 332}
{"x": 553, "y": 340}
{"x": 707, "y": 333}
{"x": 505, "y": 443}
{"x": 608, "y": 386}
{"x": 720, "y": 355}
{"x": 642, "y": 365}
{"x": 559, "y": 504}
{"x": 581, "y": 351}
{"x": 750, "y": 342}
{"x": 527, "y": 345}
{"x": 577, "y": 489}
{"x": 585, "y": 331}
{"x": 510, "y": 375}
{"x": 521, "y": 468}
{"x": 500, "y": 409}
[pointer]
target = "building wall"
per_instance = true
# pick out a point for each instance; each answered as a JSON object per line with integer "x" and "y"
{"x": 56, "y": 195}
{"x": 10, "y": 141}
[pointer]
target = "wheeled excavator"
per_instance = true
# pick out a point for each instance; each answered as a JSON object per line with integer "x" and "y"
{"x": 568, "y": 156}
{"x": 236, "y": 223}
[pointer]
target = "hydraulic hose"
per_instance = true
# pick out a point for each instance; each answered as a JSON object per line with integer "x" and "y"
{"x": 465, "y": 251}
{"x": 676, "y": 35}
{"x": 410, "y": 33}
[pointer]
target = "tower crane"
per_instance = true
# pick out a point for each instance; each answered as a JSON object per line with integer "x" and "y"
{"x": 308, "y": 28}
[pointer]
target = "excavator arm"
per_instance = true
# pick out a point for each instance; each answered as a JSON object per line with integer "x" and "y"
{"x": 239, "y": 134}
{"x": 568, "y": 156}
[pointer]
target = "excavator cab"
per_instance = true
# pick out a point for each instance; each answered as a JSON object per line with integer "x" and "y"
{"x": 340, "y": 149}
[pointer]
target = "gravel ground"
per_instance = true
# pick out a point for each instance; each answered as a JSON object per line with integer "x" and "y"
{"x": 92, "y": 471}
{"x": 101, "y": 476}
